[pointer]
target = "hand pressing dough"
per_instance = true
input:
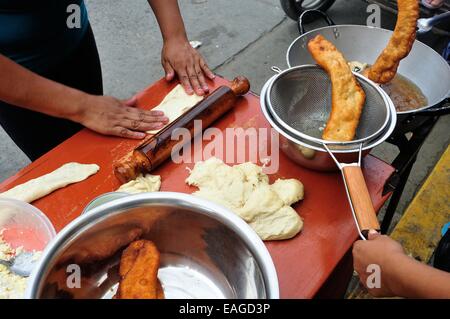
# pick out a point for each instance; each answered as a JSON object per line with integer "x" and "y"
{"x": 142, "y": 184}
{"x": 42, "y": 186}
{"x": 245, "y": 190}
{"x": 176, "y": 103}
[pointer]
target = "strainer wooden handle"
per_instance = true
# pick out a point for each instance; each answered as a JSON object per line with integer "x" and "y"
{"x": 360, "y": 197}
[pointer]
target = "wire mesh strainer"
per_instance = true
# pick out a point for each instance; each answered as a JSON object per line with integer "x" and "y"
{"x": 299, "y": 99}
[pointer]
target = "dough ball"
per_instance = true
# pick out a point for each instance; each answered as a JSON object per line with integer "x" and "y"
{"x": 285, "y": 223}
{"x": 262, "y": 201}
{"x": 289, "y": 190}
{"x": 214, "y": 174}
{"x": 245, "y": 190}
{"x": 307, "y": 153}
{"x": 253, "y": 174}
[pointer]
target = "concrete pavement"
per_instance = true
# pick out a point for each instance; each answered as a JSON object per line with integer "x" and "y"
{"x": 130, "y": 43}
{"x": 239, "y": 37}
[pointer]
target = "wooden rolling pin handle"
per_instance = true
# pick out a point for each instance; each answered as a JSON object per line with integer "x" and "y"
{"x": 159, "y": 147}
{"x": 362, "y": 204}
{"x": 240, "y": 86}
{"x": 131, "y": 166}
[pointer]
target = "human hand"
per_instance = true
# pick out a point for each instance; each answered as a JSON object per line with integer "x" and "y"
{"x": 381, "y": 251}
{"x": 110, "y": 116}
{"x": 180, "y": 58}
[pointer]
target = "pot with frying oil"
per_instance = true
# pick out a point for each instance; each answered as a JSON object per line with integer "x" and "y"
{"x": 405, "y": 95}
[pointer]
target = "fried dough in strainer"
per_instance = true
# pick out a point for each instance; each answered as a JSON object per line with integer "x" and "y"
{"x": 348, "y": 97}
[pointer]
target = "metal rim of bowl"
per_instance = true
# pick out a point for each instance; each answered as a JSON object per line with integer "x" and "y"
{"x": 102, "y": 199}
{"x": 212, "y": 210}
{"x": 295, "y": 139}
{"x": 304, "y": 136}
{"x": 325, "y": 28}
{"x": 416, "y": 42}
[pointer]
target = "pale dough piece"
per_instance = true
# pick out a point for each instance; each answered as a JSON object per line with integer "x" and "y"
{"x": 176, "y": 103}
{"x": 245, "y": 190}
{"x": 283, "y": 224}
{"x": 142, "y": 184}
{"x": 307, "y": 153}
{"x": 253, "y": 173}
{"x": 213, "y": 175}
{"x": 263, "y": 201}
{"x": 42, "y": 186}
{"x": 289, "y": 190}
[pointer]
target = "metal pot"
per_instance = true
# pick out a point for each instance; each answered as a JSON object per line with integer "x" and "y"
{"x": 312, "y": 155}
{"x": 206, "y": 251}
{"x": 423, "y": 66}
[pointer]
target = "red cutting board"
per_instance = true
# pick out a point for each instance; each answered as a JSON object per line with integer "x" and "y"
{"x": 303, "y": 264}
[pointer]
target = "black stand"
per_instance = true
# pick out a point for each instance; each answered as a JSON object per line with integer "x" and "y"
{"x": 420, "y": 127}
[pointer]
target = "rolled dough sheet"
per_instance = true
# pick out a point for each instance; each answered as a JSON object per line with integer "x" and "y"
{"x": 142, "y": 184}
{"x": 245, "y": 190}
{"x": 175, "y": 104}
{"x": 39, "y": 187}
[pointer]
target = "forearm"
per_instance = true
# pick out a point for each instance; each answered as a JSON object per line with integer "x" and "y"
{"x": 23, "y": 88}
{"x": 169, "y": 18}
{"x": 412, "y": 279}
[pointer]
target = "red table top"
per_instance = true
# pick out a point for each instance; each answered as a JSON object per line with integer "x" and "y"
{"x": 303, "y": 264}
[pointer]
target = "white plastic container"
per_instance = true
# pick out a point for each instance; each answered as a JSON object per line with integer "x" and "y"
{"x": 23, "y": 225}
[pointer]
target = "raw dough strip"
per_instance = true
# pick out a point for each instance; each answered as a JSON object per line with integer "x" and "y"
{"x": 175, "y": 104}
{"x": 42, "y": 186}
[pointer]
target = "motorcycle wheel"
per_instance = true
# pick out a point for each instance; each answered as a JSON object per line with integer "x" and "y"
{"x": 294, "y": 8}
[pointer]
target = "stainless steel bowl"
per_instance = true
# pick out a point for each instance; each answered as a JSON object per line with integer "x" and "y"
{"x": 313, "y": 155}
{"x": 206, "y": 251}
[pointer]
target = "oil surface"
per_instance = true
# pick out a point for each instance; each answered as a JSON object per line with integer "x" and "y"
{"x": 405, "y": 94}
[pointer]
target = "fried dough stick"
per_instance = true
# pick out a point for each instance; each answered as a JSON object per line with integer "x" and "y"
{"x": 139, "y": 272}
{"x": 400, "y": 44}
{"x": 348, "y": 97}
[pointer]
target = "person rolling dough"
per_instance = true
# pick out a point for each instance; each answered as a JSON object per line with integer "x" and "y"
{"x": 51, "y": 79}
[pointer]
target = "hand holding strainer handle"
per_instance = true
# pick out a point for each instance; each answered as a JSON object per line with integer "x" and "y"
{"x": 358, "y": 195}
{"x": 360, "y": 200}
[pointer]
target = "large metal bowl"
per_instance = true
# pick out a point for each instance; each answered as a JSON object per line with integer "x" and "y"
{"x": 206, "y": 251}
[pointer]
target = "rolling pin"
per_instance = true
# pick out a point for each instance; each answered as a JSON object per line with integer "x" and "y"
{"x": 159, "y": 147}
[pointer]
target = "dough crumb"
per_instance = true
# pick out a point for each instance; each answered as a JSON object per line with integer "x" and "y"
{"x": 142, "y": 184}
{"x": 245, "y": 190}
{"x": 12, "y": 286}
